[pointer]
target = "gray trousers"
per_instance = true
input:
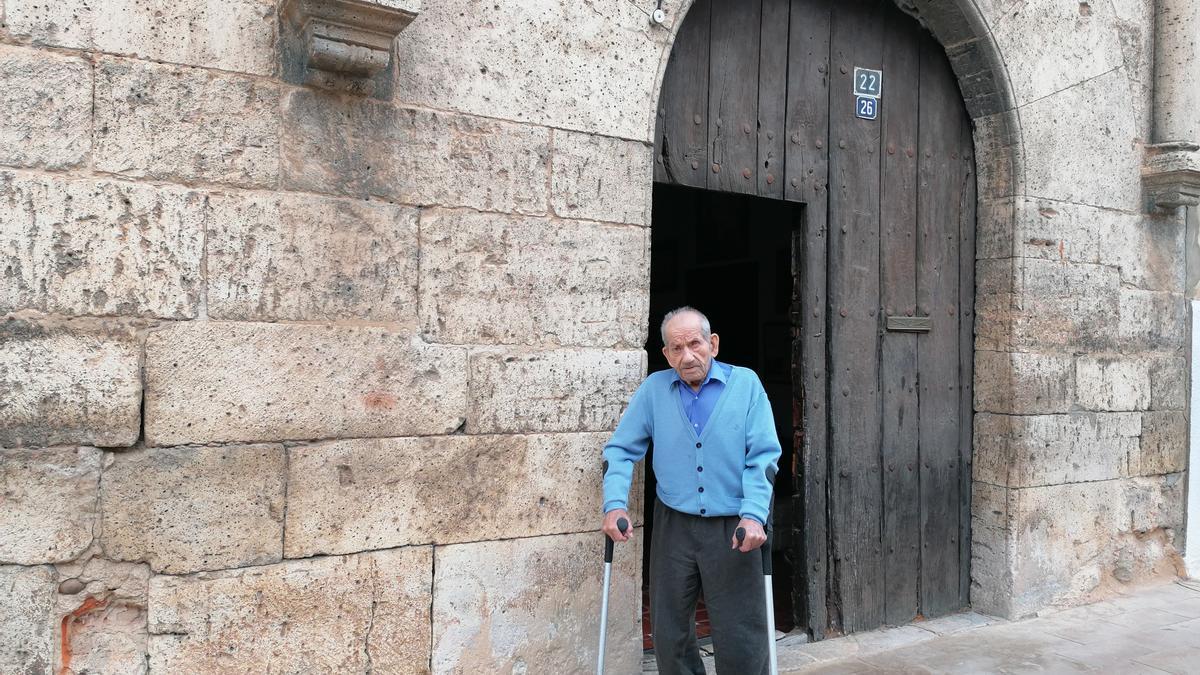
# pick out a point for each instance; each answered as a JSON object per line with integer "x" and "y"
{"x": 690, "y": 554}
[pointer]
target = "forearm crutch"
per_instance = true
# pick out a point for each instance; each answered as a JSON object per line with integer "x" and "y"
{"x": 622, "y": 524}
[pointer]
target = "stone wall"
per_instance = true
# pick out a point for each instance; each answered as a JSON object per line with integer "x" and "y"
{"x": 298, "y": 378}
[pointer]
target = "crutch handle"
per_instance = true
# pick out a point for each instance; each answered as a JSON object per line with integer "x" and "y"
{"x": 740, "y": 533}
{"x": 622, "y": 525}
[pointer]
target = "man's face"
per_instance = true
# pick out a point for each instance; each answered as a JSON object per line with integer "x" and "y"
{"x": 687, "y": 351}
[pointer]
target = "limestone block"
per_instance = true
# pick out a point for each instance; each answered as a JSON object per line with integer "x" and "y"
{"x": 26, "y": 603}
{"x": 216, "y": 382}
{"x": 488, "y": 278}
{"x": 186, "y": 124}
{"x": 1066, "y": 305}
{"x": 1148, "y": 249}
{"x": 1168, "y": 383}
{"x": 356, "y": 495}
{"x": 49, "y": 499}
{"x": 106, "y": 603}
{"x": 1164, "y": 445}
{"x": 530, "y": 605}
{"x": 1083, "y": 136}
{"x": 991, "y": 545}
{"x": 601, "y": 178}
{"x": 1105, "y": 383}
{"x": 999, "y": 156}
{"x": 188, "y": 509}
{"x": 1152, "y": 320}
{"x": 305, "y": 258}
{"x": 48, "y": 109}
{"x": 363, "y": 147}
{"x": 582, "y": 66}
{"x": 1023, "y": 383}
{"x": 99, "y": 247}
{"x": 994, "y": 236}
{"x": 233, "y": 35}
{"x": 995, "y": 302}
{"x": 68, "y": 384}
{"x": 359, "y": 613}
{"x": 562, "y": 390}
{"x": 1085, "y": 45}
{"x": 1156, "y": 503}
{"x": 1034, "y": 450}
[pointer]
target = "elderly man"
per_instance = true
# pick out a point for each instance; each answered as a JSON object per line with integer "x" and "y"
{"x": 714, "y": 448}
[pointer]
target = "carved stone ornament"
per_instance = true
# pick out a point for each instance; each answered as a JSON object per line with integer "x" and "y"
{"x": 346, "y": 45}
{"x": 1171, "y": 175}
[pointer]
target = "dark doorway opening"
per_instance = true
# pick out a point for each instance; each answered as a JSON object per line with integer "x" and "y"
{"x": 734, "y": 258}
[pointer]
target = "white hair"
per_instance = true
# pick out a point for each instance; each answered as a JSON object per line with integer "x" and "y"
{"x": 705, "y": 327}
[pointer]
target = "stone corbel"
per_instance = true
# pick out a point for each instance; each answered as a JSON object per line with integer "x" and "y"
{"x": 1171, "y": 174}
{"x": 345, "y": 45}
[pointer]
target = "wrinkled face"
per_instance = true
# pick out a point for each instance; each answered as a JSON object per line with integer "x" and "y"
{"x": 687, "y": 351}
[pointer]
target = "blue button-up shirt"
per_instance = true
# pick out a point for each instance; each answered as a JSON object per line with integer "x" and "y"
{"x": 698, "y": 405}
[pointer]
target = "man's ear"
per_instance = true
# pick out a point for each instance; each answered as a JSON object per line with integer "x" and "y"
{"x": 665, "y": 354}
{"x": 715, "y": 341}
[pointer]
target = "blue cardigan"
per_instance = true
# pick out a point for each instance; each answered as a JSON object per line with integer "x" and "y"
{"x": 721, "y": 472}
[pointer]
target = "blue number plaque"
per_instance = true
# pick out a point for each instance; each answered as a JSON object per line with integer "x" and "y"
{"x": 866, "y": 107}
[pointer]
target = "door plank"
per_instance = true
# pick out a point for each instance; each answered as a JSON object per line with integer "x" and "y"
{"x": 966, "y": 341}
{"x": 857, "y": 30}
{"x": 937, "y": 351}
{"x": 772, "y": 98}
{"x": 807, "y": 175}
{"x": 898, "y": 222}
{"x": 681, "y": 152}
{"x": 733, "y": 95}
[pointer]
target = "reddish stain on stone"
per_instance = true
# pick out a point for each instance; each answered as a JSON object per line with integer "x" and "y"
{"x": 90, "y": 604}
{"x": 379, "y": 400}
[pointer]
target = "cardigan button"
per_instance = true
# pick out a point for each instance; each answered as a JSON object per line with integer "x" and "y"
{"x": 699, "y": 468}
{"x": 702, "y": 512}
{"x": 702, "y": 488}
{"x": 697, "y": 445}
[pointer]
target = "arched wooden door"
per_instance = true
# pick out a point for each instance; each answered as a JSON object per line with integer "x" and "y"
{"x": 759, "y": 98}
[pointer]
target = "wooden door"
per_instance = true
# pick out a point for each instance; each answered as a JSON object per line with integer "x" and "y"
{"x": 758, "y": 98}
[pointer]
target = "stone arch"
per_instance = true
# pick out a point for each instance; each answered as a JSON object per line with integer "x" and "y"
{"x": 985, "y": 86}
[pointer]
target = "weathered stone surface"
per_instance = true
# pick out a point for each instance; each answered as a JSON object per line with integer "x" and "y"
{"x": 216, "y": 382}
{"x": 488, "y": 278}
{"x": 1023, "y": 382}
{"x": 994, "y": 304}
{"x": 1033, "y": 450}
{"x": 999, "y": 157}
{"x": 1152, "y": 320}
{"x": 563, "y": 390}
{"x": 68, "y": 385}
{"x": 991, "y": 557}
{"x": 356, "y": 495}
{"x": 49, "y": 499}
{"x": 1149, "y": 250}
{"x": 47, "y": 103}
{"x": 1085, "y": 47}
{"x": 186, "y": 124}
{"x": 1112, "y": 384}
{"x": 26, "y": 603}
{"x": 358, "y": 613}
{"x": 362, "y": 147}
{"x": 226, "y": 34}
{"x": 107, "y": 630}
{"x": 1066, "y": 305}
{"x": 583, "y": 66}
{"x": 1168, "y": 383}
{"x": 1164, "y": 446}
{"x": 1072, "y": 541}
{"x": 99, "y": 247}
{"x": 1086, "y": 155}
{"x": 994, "y": 235}
{"x": 601, "y": 178}
{"x": 530, "y": 605}
{"x": 307, "y": 258}
{"x": 189, "y": 509}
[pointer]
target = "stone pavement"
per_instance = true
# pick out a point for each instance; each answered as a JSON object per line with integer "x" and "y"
{"x": 1152, "y": 630}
